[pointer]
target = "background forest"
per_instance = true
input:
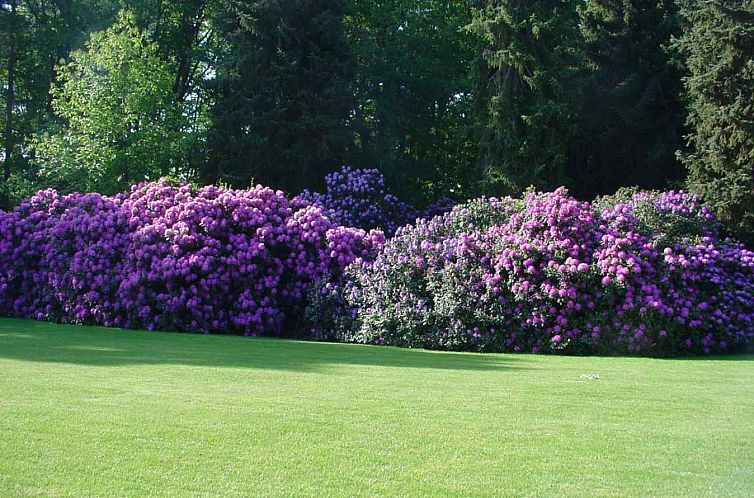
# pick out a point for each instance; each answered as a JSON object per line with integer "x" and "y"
{"x": 446, "y": 98}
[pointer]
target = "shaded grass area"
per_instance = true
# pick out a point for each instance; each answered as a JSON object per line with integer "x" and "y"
{"x": 87, "y": 411}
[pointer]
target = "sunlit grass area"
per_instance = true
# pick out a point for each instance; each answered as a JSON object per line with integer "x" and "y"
{"x": 88, "y": 411}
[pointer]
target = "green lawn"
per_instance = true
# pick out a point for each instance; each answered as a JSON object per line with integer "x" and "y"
{"x": 98, "y": 412}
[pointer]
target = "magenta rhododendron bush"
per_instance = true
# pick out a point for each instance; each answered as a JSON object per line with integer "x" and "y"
{"x": 645, "y": 274}
{"x": 171, "y": 257}
{"x": 636, "y": 273}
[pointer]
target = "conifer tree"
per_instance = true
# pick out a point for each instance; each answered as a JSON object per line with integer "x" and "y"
{"x": 631, "y": 116}
{"x": 283, "y": 93}
{"x": 718, "y": 43}
{"x": 413, "y": 115}
{"x": 524, "y": 87}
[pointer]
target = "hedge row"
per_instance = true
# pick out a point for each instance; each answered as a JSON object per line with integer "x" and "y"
{"x": 636, "y": 273}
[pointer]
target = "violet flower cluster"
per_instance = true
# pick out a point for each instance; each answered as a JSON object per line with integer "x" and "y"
{"x": 358, "y": 198}
{"x": 644, "y": 275}
{"x": 171, "y": 257}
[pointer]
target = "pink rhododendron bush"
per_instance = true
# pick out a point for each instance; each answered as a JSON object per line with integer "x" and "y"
{"x": 171, "y": 257}
{"x": 636, "y": 273}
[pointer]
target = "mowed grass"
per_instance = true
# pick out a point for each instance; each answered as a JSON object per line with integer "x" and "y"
{"x": 101, "y": 412}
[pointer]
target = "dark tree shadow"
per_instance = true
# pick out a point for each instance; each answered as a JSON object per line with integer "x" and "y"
{"x": 46, "y": 342}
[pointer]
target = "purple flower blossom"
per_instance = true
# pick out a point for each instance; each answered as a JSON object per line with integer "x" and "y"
{"x": 643, "y": 274}
{"x": 550, "y": 266}
{"x": 171, "y": 257}
{"x": 357, "y": 198}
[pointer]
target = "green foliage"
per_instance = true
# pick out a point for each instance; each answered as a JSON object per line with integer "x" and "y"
{"x": 414, "y": 113}
{"x": 185, "y": 36}
{"x": 445, "y": 98}
{"x": 122, "y": 122}
{"x": 718, "y": 43}
{"x": 283, "y": 93}
{"x": 630, "y": 114}
{"x": 527, "y": 57}
{"x": 34, "y": 36}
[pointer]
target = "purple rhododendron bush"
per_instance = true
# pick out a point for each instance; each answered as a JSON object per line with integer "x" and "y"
{"x": 358, "y": 198}
{"x": 171, "y": 257}
{"x": 641, "y": 273}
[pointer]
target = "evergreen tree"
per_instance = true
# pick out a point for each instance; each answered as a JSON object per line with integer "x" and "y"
{"x": 525, "y": 86}
{"x": 718, "y": 42}
{"x": 283, "y": 94}
{"x": 631, "y": 116}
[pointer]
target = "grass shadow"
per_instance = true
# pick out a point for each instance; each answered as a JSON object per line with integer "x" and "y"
{"x": 30, "y": 340}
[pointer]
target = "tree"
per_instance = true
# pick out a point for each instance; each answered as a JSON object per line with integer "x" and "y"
{"x": 11, "y": 26}
{"x": 185, "y": 37}
{"x": 718, "y": 43}
{"x": 122, "y": 121}
{"x": 414, "y": 112}
{"x": 631, "y": 114}
{"x": 528, "y": 54}
{"x": 282, "y": 93}
{"x": 34, "y": 36}
{"x": 182, "y": 32}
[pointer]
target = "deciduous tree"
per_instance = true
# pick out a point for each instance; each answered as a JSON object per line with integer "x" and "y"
{"x": 122, "y": 123}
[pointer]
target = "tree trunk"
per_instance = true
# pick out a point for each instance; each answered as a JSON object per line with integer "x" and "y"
{"x": 9, "y": 104}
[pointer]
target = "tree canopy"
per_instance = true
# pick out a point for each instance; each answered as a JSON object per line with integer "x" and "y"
{"x": 718, "y": 45}
{"x": 446, "y": 99}
{"x": 527, "y": 97}
{"x": 282, "y": 93}
{"x": 111, "y": 137}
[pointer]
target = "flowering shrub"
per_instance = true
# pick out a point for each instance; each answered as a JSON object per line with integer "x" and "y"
{"x": 170, "y": 257}
{"x": 357, "y": 198}
{"x": 404, "y": 271}
{"x": 634, "y": 275}
{"x": 440, "y": 206}
{"x": 668, "y": 217}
